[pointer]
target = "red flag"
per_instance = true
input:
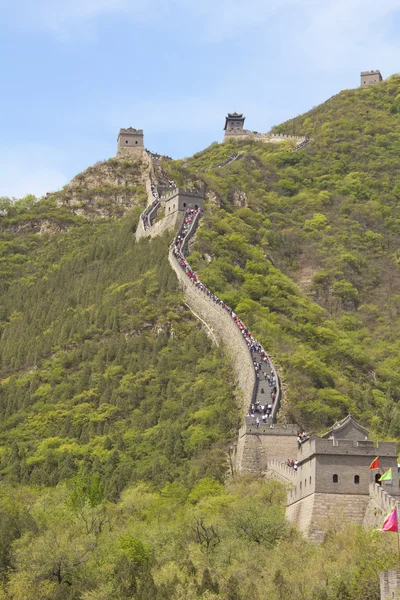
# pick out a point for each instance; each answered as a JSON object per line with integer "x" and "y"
{"x": 374, "y": 464}
{"x": 391, "y": 523}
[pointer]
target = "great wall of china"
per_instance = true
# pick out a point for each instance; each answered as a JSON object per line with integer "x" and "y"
{"x": 265, "y": 448}
{"x": 332, "y": 476}
{"x": 332, "y": 481}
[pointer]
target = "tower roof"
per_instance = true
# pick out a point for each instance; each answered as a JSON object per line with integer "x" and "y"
{"x": 348, "y": 422}
{"x": 234, "y": 117}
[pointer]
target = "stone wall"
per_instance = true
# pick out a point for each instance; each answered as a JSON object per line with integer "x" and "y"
{"x": 379, "y": 506}
{"x": 251, "y": 454}
{"x": 313, "y": 513}
{"x": 257, "y": 447}
{"x": 277, "y": 469}
{"x": 169, "y": 223}
{"x": 390, "y": 585}
{"x": 225, "y": 329}
{"x": 275, "y": 138}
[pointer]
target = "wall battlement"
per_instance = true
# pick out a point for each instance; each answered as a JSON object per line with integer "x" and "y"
{"x": 182, "y": 191}
{"x": 342, "y": 447}
{"x": 250, "y": 428}
{"x": 282, "y": 470}
{"x": 370, "y": 77}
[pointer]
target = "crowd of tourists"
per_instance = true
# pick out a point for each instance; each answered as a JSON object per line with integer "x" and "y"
{"x": 301, "y": 437}
{"x": 146, "y": 215}
{"x": 265, "y": 376}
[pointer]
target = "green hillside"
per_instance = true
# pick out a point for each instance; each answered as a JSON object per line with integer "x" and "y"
{"x": 308, "y": 254}
{"x": 117, "y": 412}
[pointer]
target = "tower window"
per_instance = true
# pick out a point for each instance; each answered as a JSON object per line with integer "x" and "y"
{"x": 335, "y": 478}
{"x": 135, "y": 142}
{"x": 126, "y": 141}
{"x": 310, "y": 479}
{"x": 356, "y": 479}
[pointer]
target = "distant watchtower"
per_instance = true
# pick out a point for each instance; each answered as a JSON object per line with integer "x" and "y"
{"x": 130, "y": 141}
{"x": 234, "y": 124}
{"x": 370, "y": 77}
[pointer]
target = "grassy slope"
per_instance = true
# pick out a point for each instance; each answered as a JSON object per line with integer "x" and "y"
{"x": 102, "y": 367}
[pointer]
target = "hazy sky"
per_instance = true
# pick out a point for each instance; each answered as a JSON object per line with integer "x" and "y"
{"x": 75, "y": 71}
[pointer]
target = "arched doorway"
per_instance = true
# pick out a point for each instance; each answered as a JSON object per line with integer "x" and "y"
{"x": 377, "y": 477}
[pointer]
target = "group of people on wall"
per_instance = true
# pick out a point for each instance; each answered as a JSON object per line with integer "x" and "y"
{"x": 146, "y": 215}
{"x": 265, "y": 375}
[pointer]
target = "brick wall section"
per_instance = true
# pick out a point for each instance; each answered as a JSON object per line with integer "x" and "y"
{"x": 390, "y": 585}
{"x": 276, "y": 469}
{"x": 169, "y": 223}
{"x": 379, "y": 506}
{"x": 312, "y": 513}
{"x": 252, "y": 454}
{"x": 254, "y": 451}
{"x": 225, "y": 329}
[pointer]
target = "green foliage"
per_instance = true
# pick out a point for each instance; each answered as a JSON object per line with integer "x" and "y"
{"x": 326, "y": 217}
{"x": 103, "y": 371}
{"x": 115, "y": 409}
{"x": 146, "y": 549}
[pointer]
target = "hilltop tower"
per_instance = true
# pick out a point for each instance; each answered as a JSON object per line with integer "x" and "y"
{"x": 370, "y": 77}
{"x": 130, "y": 142}
{"x": 234, "y": 124}
{"x": 333, "y": 475}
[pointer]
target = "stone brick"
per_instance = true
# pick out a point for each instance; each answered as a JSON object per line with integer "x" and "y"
{"x": 390, "y": 585}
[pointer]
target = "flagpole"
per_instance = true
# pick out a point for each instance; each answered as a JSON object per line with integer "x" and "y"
{"x": 398, "y": 532}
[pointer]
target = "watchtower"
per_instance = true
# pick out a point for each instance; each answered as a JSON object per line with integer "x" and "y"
{"x": 234, "y": 123}
{"x": 370, "y": 77}
{"x": 333, "y": 474}
{"x": 130, "y": 141}
{"x": 183, "y": 199}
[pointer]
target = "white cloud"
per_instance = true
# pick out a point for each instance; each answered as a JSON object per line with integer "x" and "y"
{"x": 31, "y": 170}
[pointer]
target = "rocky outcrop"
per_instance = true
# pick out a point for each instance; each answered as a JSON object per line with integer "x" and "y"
{"x": 45, "y": 226}
{"x": 109, "y": 189}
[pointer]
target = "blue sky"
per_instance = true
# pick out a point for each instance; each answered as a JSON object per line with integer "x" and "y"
{"x": 75, "y": 71}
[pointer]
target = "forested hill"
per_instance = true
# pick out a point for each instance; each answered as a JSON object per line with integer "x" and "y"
{"x": 305, "y": 247}
{"x": 116, "y": 412}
